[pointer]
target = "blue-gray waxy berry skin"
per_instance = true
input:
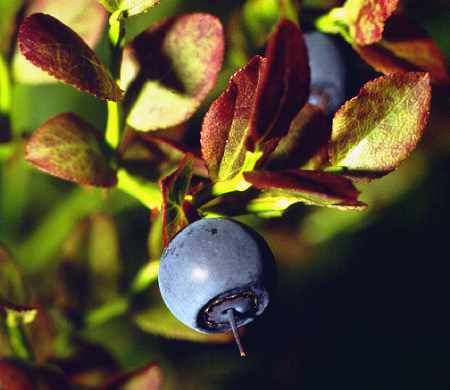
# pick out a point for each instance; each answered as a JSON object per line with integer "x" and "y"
{"x": 327, "y": 72}
{"x": 211, "y": 266}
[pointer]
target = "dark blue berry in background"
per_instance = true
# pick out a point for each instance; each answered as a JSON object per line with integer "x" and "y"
{"x": 327, "y": 72}
{"x": 212, "y": 266}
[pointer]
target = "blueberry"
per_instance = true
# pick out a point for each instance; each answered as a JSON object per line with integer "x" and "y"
{"x": 327, "y": 72}
{"x": 216, "y": 274}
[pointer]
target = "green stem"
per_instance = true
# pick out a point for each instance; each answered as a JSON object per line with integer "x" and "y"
{"x": 148, "y": 193}
{"x": 5, "y": 87}
{"x": 5, "y": 101}
{"x": 115, "y": 122}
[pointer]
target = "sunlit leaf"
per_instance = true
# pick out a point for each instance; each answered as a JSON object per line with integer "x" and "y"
{"x": 86, "y": 17}
{"x": 371, "y": 17}
{"x": 70, "y": 148}
{"x": 18, "y": 315}
{"x": 58, "y": 50}
{"x": 405, "y": 47}
{"x": 158, "y": 320}
{"x": 149, "y": 377}
{"x": 226, "y": 124}
{"x": 359, "y": 21}
{"x": 132, "y": 7}
{"x": 376, "y": 130}
{"x": 311, "y": 187}
{"x": 283, "y": 87}
{"x": 179, "y": 61}
{"x": 306, "y": 143}
{"x": 174, "y": 189}
{"x": 257, "y": 107}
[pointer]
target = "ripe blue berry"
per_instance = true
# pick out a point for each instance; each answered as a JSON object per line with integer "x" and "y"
{"x": 216, "y": 274}
{"x": 327, "y": 72}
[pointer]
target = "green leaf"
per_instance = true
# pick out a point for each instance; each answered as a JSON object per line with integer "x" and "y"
{"x": 149, "y": 377}
{"x": 260, "y": 17}
{"x": 12, "y": 287}
{"x": 178, "y": 61}
{"x": 158, "y": 320}
{"x": 376, "y": 130}
{"x": 283, "y": 188}
{"x": 320, "y": 4}
{"x": 58, "y": 50}
{"x": 70, "y": 148}
{"x": 104, "y": 258}
{"x": 86, "y": 17}
{"x": 8, "y": 11}
{"x": 132, "y": 7}
{"x": 174, "y": 189}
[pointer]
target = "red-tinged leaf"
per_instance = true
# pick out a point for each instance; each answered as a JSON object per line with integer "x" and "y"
{"x": 371, "y": 18}
{"x": 310, "y": 187}
{"x": 86, "y": 17}
{"x": 70, "y": 148}
{"x": 179, "y": 61}
{"x": 174, "y": 188}
{"x": 58, "y": 50}
{"x": 376, "y": 130}
{"x": 306, "y": 143}
{"x": 226, "y": 124}
{"x": 149, "y": 377}
{"x": 173, "y": 147}
{"x": 405, "y": 47}
{"x": 283, "y": 87}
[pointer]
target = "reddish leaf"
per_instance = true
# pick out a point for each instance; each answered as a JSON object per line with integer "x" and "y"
{"x": 311, "y": 187}
{"x": 174, "y": 188}
{"x": 226, "y": 124}
{"x": 70, "y": 148}
{"x": 149, "y": 377}
{"x": 257, "y": 107}
{"x": 369, "y": 24}
{"x": 376, "y": 130}
{"x": 283, "y": 87}
{"x": 55, "y": 48}
{"x": 179, "y": 61}
{"x": 405, "y": 47}
{"x": 306, "y": 142}
{"x": 86, "y": 17}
